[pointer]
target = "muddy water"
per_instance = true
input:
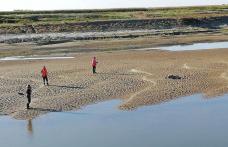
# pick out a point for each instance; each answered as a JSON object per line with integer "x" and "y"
{"x": 189, "y": 121}
{"x": 196, "y": 46}
{"x": 16, "y": 58}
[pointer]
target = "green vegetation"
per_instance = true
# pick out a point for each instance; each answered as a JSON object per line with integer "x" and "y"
{"x": 68, "y": 16}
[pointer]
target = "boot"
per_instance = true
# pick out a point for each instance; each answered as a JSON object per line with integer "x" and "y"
{"x": 28, "y": 106}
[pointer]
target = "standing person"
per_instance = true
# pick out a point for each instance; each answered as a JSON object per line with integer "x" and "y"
{"x": 44, "y": 75}
{"x": 29, "y": 93}
{"x": 94, "y": 64}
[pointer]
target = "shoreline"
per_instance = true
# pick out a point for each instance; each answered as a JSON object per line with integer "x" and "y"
{"x": 106, "y": 45}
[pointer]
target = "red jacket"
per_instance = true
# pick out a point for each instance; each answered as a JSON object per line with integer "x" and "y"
{"x": 44, "y": 72}
{"x": 94, "y": 62}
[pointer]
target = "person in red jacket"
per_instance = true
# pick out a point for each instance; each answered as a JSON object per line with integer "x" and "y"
{"x": 94, "y": 64}
{"x": 44, "y": 75}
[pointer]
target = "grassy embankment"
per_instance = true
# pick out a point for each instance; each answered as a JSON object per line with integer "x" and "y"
{"x": 72, "y": 16}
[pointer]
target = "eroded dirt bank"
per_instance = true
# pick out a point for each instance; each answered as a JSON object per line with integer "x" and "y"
{"x": 115, "y": 25}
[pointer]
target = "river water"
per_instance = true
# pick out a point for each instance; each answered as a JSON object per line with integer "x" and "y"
{"x": 196, "y": 46}
{"x": 17, "y": 58}
{"x": 189, "y": 47}
{"x": 190, "y": 121}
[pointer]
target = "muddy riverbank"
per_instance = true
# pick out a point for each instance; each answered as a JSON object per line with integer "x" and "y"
{"x": 140, "y": 79}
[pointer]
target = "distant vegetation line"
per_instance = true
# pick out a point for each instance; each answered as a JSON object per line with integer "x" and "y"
{"x": 64, "y": 16}
{"x": 25, "y": 22}
{"x": 212, "y": 7}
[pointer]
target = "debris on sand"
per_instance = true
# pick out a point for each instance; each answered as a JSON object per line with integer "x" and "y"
{"x": 174, "y": 77}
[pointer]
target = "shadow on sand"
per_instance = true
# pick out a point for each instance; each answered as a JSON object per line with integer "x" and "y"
{"x": 46, "y": 110}
{"x": 65, "y": 86}
{"x": 116, "y": 74}
{"x": 54, "y": 110}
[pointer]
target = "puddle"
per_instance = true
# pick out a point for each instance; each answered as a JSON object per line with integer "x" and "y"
{"x": 196, "y": 46}
{"x": 18, "y": 58}
{"x": 190, "y": 121}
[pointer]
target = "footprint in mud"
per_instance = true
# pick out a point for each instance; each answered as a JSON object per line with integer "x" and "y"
{"x": 185, "y": 66}
{"x": 140, "y": 71}
{"x": 224, "y": 76}
{"x": 144, "y": 78}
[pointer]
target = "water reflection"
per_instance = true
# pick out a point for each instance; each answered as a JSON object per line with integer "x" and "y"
{"x": 30, "y": 127}
{"x": 188, "y": 122}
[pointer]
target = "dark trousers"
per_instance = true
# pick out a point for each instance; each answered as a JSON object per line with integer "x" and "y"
{"x": 29, "y": 101}
{"x": 45, "y": 79}
{"x": 94, "y": 69}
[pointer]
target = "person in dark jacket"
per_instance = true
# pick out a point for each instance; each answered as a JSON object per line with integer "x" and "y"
{"x": 29, "y": 93}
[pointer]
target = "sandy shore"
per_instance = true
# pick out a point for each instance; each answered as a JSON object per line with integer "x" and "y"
{"x": 137, "y": 77}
